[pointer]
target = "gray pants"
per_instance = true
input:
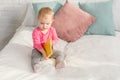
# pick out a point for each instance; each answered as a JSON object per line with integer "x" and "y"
{"x": 36, "y": 56}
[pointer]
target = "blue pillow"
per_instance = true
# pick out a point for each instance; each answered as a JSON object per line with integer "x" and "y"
{"x": 104, "y": 24}
{"x": 54, "y": 5}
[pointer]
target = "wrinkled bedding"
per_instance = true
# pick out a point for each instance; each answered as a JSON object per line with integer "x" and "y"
{"x": 92, "y": 57}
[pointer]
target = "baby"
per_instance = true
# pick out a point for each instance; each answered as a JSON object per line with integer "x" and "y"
{"x": 41, "y": 35}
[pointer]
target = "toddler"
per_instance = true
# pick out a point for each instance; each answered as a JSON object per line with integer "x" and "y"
{"x": 43, "y": 34}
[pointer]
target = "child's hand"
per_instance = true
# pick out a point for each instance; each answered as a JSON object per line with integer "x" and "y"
{"x": 46, "y": 58}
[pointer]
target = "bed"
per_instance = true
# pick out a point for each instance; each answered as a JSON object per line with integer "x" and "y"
{"x": 91, "y": 57}
{"x": 95, "y": 58}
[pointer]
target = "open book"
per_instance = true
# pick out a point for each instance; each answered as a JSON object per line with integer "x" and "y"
{"x": 48, "y": 47}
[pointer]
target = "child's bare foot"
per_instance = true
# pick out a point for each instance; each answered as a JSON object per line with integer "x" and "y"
{"x": 60, "y": 64}
{"x": 37, "y": 68}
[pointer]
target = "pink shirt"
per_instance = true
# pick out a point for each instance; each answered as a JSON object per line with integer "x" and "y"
{"x": 39, "y": 38}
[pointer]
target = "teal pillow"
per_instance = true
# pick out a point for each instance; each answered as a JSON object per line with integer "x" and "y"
{"x": 54, "y": 5}
{"x": 104, "y": 24}
{"x": 62, "y": 1}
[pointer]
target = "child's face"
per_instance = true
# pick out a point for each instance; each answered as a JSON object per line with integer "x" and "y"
{"x": 45, "y": 22}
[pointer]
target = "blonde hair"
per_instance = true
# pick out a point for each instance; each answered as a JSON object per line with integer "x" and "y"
{"x": 45, "y": 11}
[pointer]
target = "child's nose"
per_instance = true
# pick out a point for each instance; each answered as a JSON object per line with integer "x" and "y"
{"x": 44, "y": 25}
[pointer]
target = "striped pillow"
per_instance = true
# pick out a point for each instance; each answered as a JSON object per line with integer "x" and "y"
{"x": 71, "y": 22}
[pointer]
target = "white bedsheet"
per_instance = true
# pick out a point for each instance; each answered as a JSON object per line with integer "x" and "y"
{"x": 92, "y": 57}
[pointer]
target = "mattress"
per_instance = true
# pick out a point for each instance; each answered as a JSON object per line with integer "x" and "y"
{"x": 92, "y": 57}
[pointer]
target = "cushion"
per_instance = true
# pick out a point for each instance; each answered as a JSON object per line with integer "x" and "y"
{"x": 54, "y": 5}
{"x": 71, "y": 22}
{"x": 104, "y": 24}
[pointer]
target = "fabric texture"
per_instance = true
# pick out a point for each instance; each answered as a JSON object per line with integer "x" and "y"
{"x": 37, "y": 57}
{"x": 104, "y": 24}
{"x": 91, "y": 57}
{"x": 71, "y": 22}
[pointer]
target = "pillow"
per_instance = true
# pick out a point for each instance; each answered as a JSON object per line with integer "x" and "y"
{"x": 104, "y": 24}
{"x": 71, "y": 22}
{"x": 54, "y": 5}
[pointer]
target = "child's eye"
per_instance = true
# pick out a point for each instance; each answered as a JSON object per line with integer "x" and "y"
{"x": 41, "y": 23}
{"x": 48, "y": 23}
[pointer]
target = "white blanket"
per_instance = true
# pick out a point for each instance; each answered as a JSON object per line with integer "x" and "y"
{"x": 92, "y": 57}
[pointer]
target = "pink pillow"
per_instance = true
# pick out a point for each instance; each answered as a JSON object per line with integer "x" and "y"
{"x": 71, "y": 22}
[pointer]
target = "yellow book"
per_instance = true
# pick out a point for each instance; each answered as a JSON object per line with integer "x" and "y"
{"x": 48, "y": 47}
